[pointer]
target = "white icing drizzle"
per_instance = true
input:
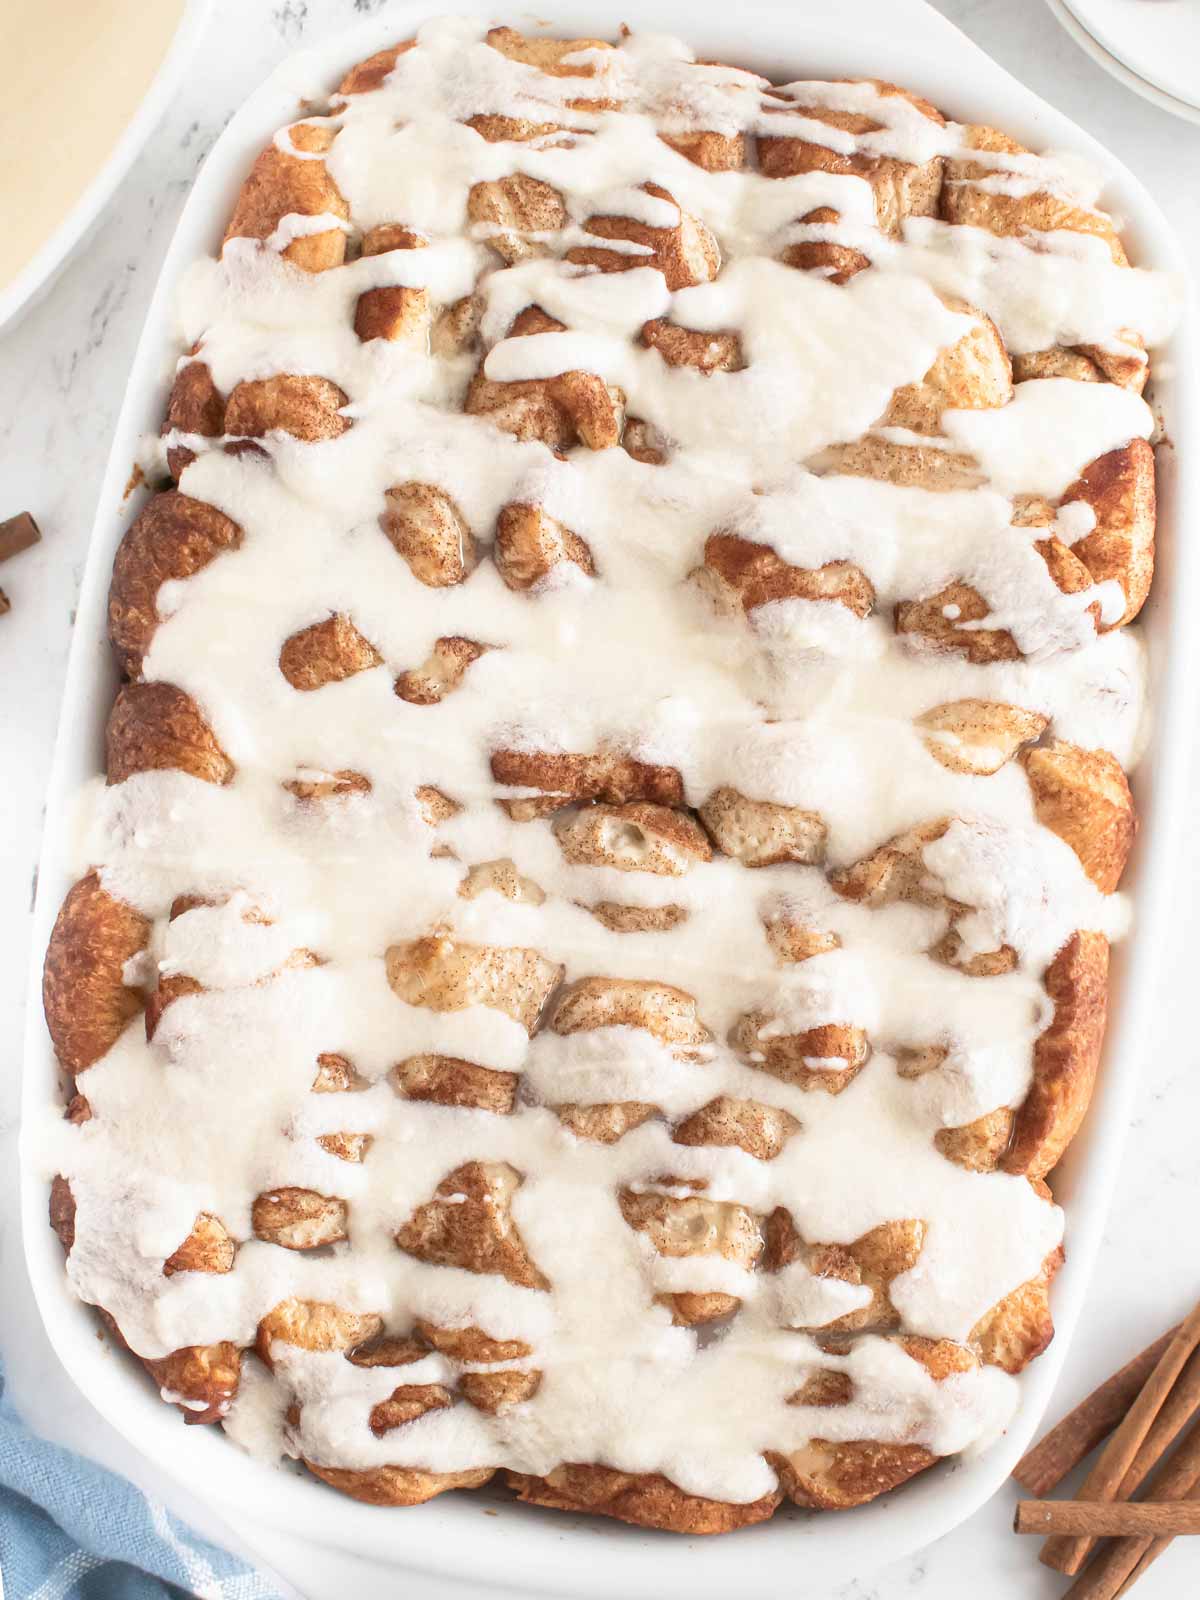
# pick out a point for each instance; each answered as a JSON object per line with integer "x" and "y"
{"x": 805, "y": 705}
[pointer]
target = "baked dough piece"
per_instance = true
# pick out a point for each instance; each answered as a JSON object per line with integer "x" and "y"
{"x": 594, "y": 951}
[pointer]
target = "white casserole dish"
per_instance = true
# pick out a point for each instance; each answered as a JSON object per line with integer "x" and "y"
{"x": 898, "y": 39}
{"x": 39, "y": 273}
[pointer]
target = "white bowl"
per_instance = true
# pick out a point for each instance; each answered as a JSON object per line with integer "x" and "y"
{"x": 543, "y": 1552}
{"x": 39, "y": 273}
{"x": 1151, "y": 46}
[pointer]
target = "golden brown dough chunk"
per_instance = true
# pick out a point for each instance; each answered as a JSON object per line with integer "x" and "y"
{"x": 396, "y": 1486}
{"x": 710, "y": 150}
{"x": 393, "y": 312}
{"x": 62, "y": 1212}
{"x": 327, "y": 652}
{"x": 684, "y": 250}
{"x": 637, "y": 919}
{"x": 897, "y": 871}
{"x": 406, "y": 1404}
{"x": 693, "y": 1226}
{"x": 472, "y": 1344}
{"x": 760, "y": 833}
{"x": 900, "y": 189}
{"x": 333, "y": 786}
{"x": 315, "y": 1325}
{"x": 941, "y": 620}
{"x": 350, "y": 1147}
{"x": 530, "y": 545}
{"x": 299, "y": 1219}
{"x": 469, "y": 1224}
{"x": 1065, "y": 1057}
{"x": 666, "y": 1012}
{"x": 195, "y": 406}
{"x": 978, "y": 1146}
{"x": 283, "y": 184}
{"x": 646, "y": 1499}
{"x": 1018, "y": 1328}
{"x": 387, "y": 1350}
{"x": 564, "y": 779}
{"x": 388, "y": 236}
{"x": 643, "y": 441}
{"x": 1031, "y": 1139}
{"x": 825, "y": 1386}
{"x": 690, "y": 1225}
{"x": 171, "y": 986}
{"x": 909, "y": 466}
{"x": 495, "y": 129}
{"x": 202, "y": 1379}
{"x": 374, "y": 72}
{"x": 607, "y": 1121}
{"x": 691, "y": 347}
{"x": 171, "y": 538}
{"x": 156, "y": 727}
{"x": 435, "y": 807}
{"x": 826, "y": 257}
{"x": 551, "y": 56}
{"x": 426, "y": 527}
{"x": 571, "y": 408}
{"x": 500, "y": 877}
{"x": 447, "y": 974}
{"x": 508, "y": 210}
{"x": 978, "y": 736}
{"x": 870, "y": 1262}
{"x": 792, "y": 937}
{"x": 306, "y": 407}
{"x": 827, "y": 1057}
{"x": 207, "y": 1248}
{"x": 1083, "y": 796}
{"x": 498, "y": 1392}
{"x": 743, "y": 575}
{"x": 638, "y": 837}
{"x": 830, "y": 1476}
{"x": 973, "y": 374}
{"x": 448, "y": 1081}
{"x": 456, "y": 329}
{"x": 760, "y": 1130}
{"x": 441, "y": 672}
{"x": 1089, "y": 363}
{"x": 1119, "y": 487}
{"x": 84, "y": 994}
{"x": 965, "y": 202}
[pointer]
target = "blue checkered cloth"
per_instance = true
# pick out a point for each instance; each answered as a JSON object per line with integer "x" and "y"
{"x": 70, "y": 1530}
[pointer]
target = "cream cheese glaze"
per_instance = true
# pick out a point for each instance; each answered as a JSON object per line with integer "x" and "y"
{"x": 807, "y": 704}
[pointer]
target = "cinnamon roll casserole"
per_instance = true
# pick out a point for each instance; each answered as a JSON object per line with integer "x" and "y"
{"x": 594, "y": 937}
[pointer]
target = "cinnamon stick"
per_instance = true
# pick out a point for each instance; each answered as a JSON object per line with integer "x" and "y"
{"x": 1153, "y": 1551}
{"x": 1105, "y": 1519}
{"x": 17, "y": 534}
{"x": 1045, "y": 1466}
{"x": 1067, "y": 1552}
{"x": 1117, "y": 1567}
{"x": 1180, "y": 1406}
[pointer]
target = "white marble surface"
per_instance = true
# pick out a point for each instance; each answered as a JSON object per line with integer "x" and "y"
{"x": 62, "y": 373}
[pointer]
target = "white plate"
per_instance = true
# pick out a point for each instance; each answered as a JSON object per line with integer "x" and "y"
{"x": 1156, "y": 41}
{"x": 37, "y": 275}
{"x": 544, "y": 1552}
